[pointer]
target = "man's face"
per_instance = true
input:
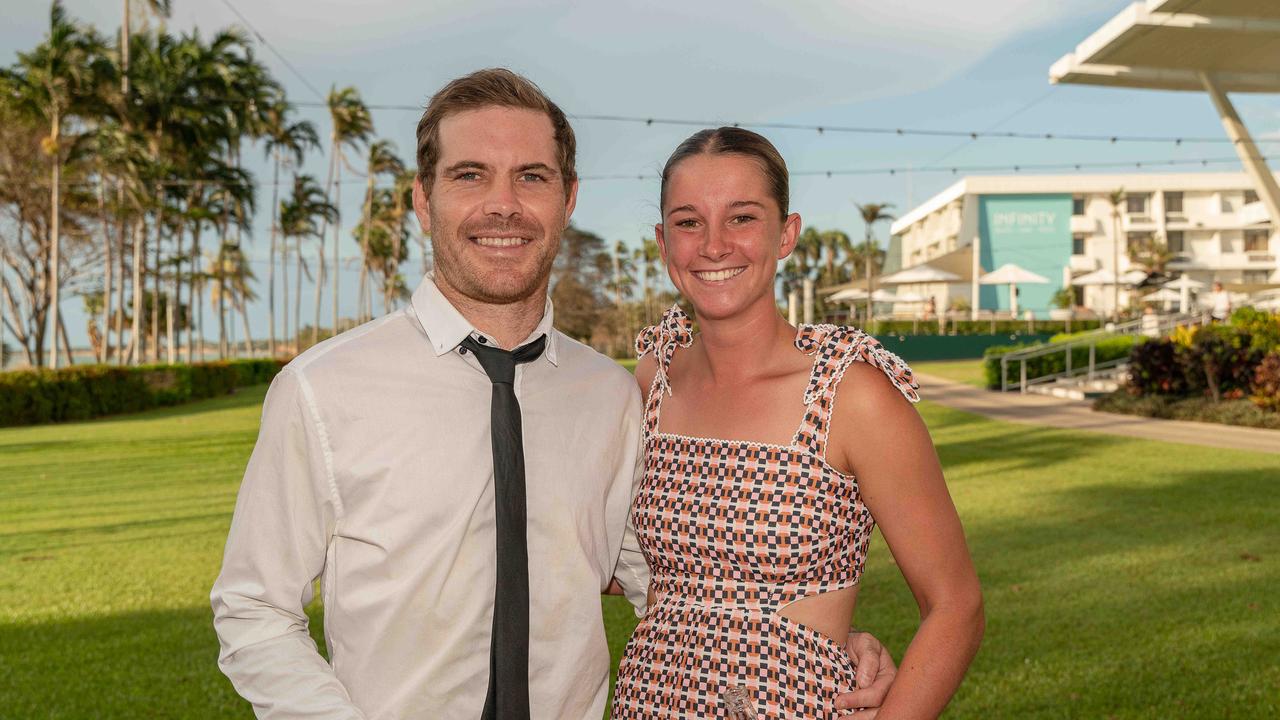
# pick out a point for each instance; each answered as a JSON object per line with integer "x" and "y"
{"x": 497, "y": 205}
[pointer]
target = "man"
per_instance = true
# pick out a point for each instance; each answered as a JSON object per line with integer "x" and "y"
{"x": 1219, "y": 303}
{"x": 461, "y": 544}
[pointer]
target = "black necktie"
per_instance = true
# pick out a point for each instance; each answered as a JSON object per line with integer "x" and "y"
{"x": 508, "y": 696}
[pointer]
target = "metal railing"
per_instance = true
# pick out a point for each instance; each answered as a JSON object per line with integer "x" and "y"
{"x": 1162, "y": 325}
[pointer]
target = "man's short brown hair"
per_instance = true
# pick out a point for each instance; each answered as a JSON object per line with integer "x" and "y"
{"x": 483, "y": 88}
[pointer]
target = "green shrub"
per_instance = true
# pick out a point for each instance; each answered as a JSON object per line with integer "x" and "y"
{"x": 1227, "y": 412}
{"x": 1221, "y": 361}
{"x": 29, "y": 397}
{"x": 1108, "y": 349}
{"x": 1266, "y": 383}
{"x": 1262, "y": 327}
{"x": 978, "y": 327}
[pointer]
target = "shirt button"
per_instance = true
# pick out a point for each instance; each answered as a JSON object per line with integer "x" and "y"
{"x": 462, "y": 351}
{"x": 482, "y": 340}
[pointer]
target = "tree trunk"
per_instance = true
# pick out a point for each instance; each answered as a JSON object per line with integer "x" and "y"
{"x": 337, "y": 230}
{"x": 66, "y": 342}
{"x": 365, "y": 297}
{"x": 107, "y": 267}
{"x": 55, "y": 240}
{"x": 284, "y": 285}
{"x": 271, "y": 262}
{"x": 154, "y": 348}
{"x": 135, "y": 324}
{"x": 242, "y": 306}
{"x": 320, "y": 270}
{"x": 297, "y": 297}
{"x": 122, "y": 232}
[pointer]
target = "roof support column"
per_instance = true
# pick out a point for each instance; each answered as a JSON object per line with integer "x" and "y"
{"x": 1254, "y": 163}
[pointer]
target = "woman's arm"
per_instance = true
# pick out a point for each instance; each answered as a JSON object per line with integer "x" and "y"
{"x": 879, "y": 436}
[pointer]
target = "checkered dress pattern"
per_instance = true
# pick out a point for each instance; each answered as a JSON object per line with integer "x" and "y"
{"x": 734, "y": 530}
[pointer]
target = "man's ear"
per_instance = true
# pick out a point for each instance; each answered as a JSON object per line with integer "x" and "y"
{"x": 420, "y": 206}
{"x": 571, "y": 200}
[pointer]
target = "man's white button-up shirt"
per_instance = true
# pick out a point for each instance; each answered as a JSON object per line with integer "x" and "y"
{"x": 373, "y": 472}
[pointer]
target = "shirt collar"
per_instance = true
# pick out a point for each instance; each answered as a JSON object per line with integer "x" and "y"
{"x": 446, "y": 328}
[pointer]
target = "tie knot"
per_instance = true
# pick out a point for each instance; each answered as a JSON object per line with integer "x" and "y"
{"x": 499, "y": 364}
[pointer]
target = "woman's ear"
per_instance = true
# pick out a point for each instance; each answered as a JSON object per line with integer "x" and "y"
{"x": 662, "y": 243}
{"x": 790, "y": 233}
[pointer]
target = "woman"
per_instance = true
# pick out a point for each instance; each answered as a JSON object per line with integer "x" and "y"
{"x": 749, "y": 513}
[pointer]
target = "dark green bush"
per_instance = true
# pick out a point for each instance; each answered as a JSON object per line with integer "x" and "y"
{"x": 1221, "y": 361}
{"x": 30, "y": 397}
{"x": 1262, "y": 327}
{"x": 1158, "y": 367}
{"x": 1108, "y": 349}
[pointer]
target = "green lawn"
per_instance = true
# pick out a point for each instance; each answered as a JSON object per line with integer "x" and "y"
{"x": 968, "y": 372}
{"x": 1124, "y": 578}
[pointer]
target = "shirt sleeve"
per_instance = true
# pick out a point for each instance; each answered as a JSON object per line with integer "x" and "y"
{"x": 632, "y": 572}
{"x": 284, "y": 518}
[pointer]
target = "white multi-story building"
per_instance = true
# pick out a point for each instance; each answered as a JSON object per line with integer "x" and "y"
{"x": 1065, "y": 226}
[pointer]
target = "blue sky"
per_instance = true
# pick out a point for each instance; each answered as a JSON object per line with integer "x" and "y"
{"x": 933, "y": 64}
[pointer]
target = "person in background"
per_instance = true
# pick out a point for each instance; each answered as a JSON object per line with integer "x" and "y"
{"x": 1219, "y": 303}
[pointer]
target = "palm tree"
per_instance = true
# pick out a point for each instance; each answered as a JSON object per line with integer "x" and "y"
{"x": 807, "y": 254}
{"x": 54, "y": 82}
{"x": 300, "y": 216}
{"x": 285, "y": 142}
{"x": 834, "y": 244}
{"x": 872, "y": 213}
{"x": 382, "y": 159}
{"x": 647, "y": 256}
{"x": 1116, "y": 197}
{"x": 352, "y": 126}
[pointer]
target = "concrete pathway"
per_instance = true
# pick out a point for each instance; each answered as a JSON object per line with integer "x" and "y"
{"x": 1077, "y": 415}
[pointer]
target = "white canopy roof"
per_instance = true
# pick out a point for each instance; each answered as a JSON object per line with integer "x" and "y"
{"x": 1165, "y": 44}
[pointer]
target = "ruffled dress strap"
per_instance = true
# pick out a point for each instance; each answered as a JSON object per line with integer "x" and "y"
{"x": 675, "y": 330}
{"x": 835, "y": 348}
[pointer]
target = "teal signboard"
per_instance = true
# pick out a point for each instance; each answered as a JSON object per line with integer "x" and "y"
{"x": 1031, "y": 231}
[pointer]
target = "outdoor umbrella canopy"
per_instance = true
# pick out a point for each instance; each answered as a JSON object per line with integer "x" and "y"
{"x": 1184, "y": 285}
{"x": 856, "y": 294}
{"x": 1011, "y": 274}
{"x": 1106, "y": 277}
{"x": 918, "y": 274}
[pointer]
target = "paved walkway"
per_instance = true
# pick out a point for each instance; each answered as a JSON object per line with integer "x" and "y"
{"x": 1077, "y": 415}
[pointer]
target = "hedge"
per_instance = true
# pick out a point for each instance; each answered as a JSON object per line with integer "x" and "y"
{"x": 1110, "y": 348}
{"x": 1225, "y": 412}
{"x": 32, "y": 397}
{"x": 978, "y": 327}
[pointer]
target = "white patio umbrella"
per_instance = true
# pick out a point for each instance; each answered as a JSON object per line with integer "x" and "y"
{"x": 1011, "y": 274}
{"x": 856, "y": 294}
{"x": 1184, "y": 285}
{"x": 1164, "y": 295}
{"x": 918, "y": 274}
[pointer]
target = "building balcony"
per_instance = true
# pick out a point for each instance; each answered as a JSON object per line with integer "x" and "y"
{"x": 1225, "y": 261}
{"x": 1083, "y": 225}
{"x": 1138, "y": 223}
{"x": 1253, "y": 213}
{"x": 1084, "y": 263}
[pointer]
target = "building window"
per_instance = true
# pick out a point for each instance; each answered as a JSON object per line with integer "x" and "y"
{"x": 1252, "y": 277}
{"x": 1250, "y": 196}
{"x": 1077, "y": 244}
{"x": 1255, "y": 240}
{"x": 1077, "y": 206}
{"x": 1177, "y": 241}
{"x": 1136, "y": 241}
{"x": 1173, "y": 202}
{"x": 1136, "y": 204}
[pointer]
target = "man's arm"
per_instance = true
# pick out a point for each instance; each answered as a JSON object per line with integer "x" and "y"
{"x": 284, "y": 517}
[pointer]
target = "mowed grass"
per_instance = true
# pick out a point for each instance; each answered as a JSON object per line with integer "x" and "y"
{"x": 1123, "y": 578}
{"x": 968, "y": 372}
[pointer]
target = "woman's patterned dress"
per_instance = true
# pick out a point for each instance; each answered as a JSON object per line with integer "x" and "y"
{"x": 735, "y": 530}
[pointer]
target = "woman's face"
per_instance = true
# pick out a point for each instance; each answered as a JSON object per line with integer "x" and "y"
{"x": 723, "y": 234}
